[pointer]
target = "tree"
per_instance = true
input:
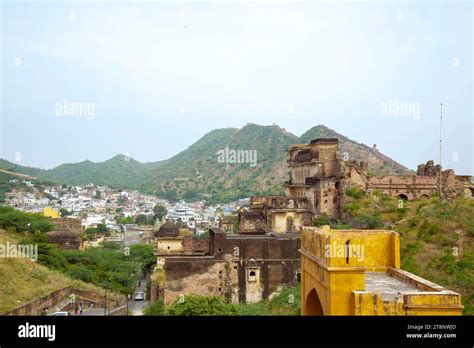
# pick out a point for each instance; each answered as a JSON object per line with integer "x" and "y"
{"x": 64, "y": 212}
{"x": 141, "y": 219}
{"x": 159, "y": 212}
{"x": 91, "y": 233}
{"x": 102, "y": 229}
{"x": 143, "y": 255}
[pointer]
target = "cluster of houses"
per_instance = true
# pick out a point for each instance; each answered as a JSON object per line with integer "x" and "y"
{"x": 92, "y": 205}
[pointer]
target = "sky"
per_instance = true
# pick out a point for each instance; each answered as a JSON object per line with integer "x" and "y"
{"x": 90, "y": 80}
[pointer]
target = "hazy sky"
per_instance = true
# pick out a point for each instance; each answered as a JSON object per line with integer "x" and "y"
{"x": 161, "y": 75}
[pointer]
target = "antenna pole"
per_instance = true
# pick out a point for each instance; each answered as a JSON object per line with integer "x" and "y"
{"x": 440, "y": 174}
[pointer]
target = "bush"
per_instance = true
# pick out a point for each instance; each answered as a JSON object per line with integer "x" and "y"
{"x": 21, "y": 221}
{"x": 352, "y": 206}
{"x": 354, "y": 192}
{"x": 157, "y": 308}
{"x": 323, "y": 219}
{"x": 202, "y": 306}
{"x": 370, "y": 221}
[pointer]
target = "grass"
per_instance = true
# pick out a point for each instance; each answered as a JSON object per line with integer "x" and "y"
{"x": 436, "y": 238}
{"x": 22, "y": 280}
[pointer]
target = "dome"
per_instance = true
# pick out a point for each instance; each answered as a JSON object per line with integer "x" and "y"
{"x": 168, "y": 229}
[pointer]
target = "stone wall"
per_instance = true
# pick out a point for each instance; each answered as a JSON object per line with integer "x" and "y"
{"x": 227, "y": 270}
{"x": 37, "y": 306}
{"x": 69, "y": 224}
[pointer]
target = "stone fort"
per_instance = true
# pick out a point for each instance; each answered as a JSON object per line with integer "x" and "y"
{"x": 266, "y": 253}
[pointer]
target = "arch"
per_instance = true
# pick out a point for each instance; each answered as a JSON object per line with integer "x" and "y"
{"x": 424, "y": 196}
{"x": 313, "y": 304}
{"x": 403, "y": 196}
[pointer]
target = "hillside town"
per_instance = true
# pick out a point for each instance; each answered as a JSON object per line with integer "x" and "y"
{"x": 94, "y": 205}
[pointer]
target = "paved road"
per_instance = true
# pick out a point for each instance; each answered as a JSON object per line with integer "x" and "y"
{"x": 137, "y": 307}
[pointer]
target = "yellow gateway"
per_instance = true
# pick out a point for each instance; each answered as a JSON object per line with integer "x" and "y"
{"x": 357, "y": 272}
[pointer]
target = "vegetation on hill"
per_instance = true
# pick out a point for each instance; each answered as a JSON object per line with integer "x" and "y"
{"x": 107, "y": 267}
{"x": 195, "y": 173}
{"x": 17, "y": 221}
{"x": 437, "y": 238}
{"x": 22, "y": 280}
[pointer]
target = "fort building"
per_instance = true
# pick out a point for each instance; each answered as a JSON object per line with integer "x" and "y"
{"x": 263, "y": 256}
{"x": 64, "y": 239}
{"x": 357, "y": 272}
{"x": 240, "y": 268}
{"x": 408, "y": 187}
{"x": 69, "y": 224}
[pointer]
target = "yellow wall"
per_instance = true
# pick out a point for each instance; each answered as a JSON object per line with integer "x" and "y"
{"x": 339, "y": 281}
{"x": 169, "y": 245}
{"x": 50, "y": 212}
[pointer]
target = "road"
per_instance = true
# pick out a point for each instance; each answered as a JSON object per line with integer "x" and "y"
{"x": 137, "y": 307}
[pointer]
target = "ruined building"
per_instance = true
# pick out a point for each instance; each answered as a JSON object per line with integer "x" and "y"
{"x": 64, "y": 239}
{"x": 263, "y": 256}
{"x": 315, "y": 186}
{"x": 319, "y": 178}
{"x": 240, "y": 268}
{"x": 357, "y": 272}
{"x": 423, "y": 184}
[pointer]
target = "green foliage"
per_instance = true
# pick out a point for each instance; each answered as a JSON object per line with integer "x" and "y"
{"x": 159, "y": 212}
{"x": 91, "y": 233}
{"x": 322, "y": 219}
{"x": 354, "y": 192}
{"x": 141, "y": 219}
{"x": 107, "y": 268}
{"x": 110, "y": 245}
{"x": 288, "y": 302}
{"x": 352, "y": 206}
{"x": 370, "y": 221}
{"x": 142, "y": 255}
{"x": 22, "y": 221}
{"x": 64, "y": 212}
{"x": 157, "y": 308}
{"x": 202, "y": 306}
{"x": 125, "y": 220}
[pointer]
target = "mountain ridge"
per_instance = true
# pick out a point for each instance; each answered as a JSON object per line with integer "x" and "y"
{"x": 195, "y": 172}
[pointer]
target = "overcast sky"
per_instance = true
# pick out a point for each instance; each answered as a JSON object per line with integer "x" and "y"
{"x": 160, "y": 75}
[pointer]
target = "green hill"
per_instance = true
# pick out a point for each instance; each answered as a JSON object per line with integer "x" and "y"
{"x": 195, "y": 173}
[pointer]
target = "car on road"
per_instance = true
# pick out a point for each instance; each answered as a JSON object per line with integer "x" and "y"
{"x": 139, "y": 296}
{"x": 60, "y": 314}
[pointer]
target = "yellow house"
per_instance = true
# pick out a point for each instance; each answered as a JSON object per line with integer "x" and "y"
{"x": 50, "y": 212}
{"x": 357, "y": 272}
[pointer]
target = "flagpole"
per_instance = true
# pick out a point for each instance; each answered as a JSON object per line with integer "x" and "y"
{"x": 440, "y": 174}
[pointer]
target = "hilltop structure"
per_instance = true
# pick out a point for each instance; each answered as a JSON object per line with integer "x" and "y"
{"x": 263, "y": 255}
{"x": 357, "y": 272}
{"x": 407, "y": 187}
{"x": 319, "y": 177}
